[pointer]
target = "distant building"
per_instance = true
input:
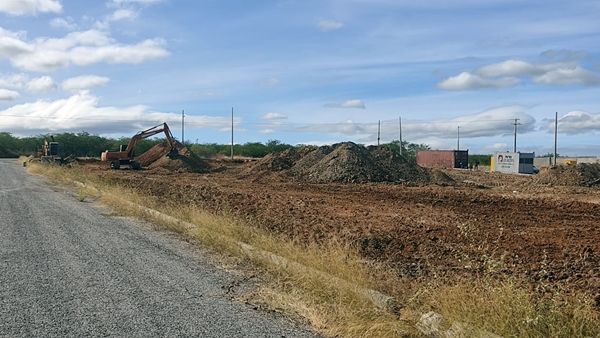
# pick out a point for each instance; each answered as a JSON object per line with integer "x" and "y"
{"x": 513, "y": 163}
{"x": 443, "y": 158}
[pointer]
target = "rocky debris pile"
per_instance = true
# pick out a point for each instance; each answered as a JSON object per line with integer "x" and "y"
{"x": 342, "y": 163}
{"x": 582, "y": 175}
{"x": 160, "y": 157}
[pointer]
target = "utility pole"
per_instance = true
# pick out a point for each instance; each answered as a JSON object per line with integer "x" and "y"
{"x": 378, "y": 132}
{"x": 400, "y": 132}
{"x": 232, "y": 133}
{"x": 458, "y": 138}
{"x": 555, "y": 137}
{"x": 515, "y": 141}
{"x": 182, "y": 126}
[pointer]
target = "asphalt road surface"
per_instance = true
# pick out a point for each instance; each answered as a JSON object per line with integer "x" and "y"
{"x": 68, "y": 268}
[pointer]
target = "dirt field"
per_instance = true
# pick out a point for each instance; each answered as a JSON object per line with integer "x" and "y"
{"x": 482, "y": 225}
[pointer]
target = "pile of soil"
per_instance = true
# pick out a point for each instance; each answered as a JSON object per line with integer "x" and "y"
{"x": 5, "y": 153}
{"x": 160, "y": 157}
{"x": 441, "y": 178}
{"x": 278, "y": 161}
{"x": 580, "y": 175}
{"x": 342, "y": 163}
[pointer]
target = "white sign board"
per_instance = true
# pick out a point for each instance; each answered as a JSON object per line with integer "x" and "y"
{"x": 506, "y": 162}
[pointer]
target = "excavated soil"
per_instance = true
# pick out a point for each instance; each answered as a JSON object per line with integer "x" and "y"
{"x": 159, "y": 158}
{"x": 512, "y": 227}
{"x": 340, "y": 163}
{"x": 584, "y": 175}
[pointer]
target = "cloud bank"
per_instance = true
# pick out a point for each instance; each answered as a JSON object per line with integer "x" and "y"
{"x": 83, "y": 112}
{"x": 511, "y": 72}
{"x": 30, "y": 7}
{"x": 77, "y": 48}
{"x": 575, "y": 122}
{"x": 84, "y": 82}
{"x": 356, "y": 104}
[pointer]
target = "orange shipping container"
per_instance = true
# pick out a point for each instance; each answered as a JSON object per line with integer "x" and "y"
{"x": 443, "y": 158}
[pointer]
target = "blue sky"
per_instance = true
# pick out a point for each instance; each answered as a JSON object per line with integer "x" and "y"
{"x": 306, "y": 71}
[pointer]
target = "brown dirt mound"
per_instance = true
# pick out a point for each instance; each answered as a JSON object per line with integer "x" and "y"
{"x": 441, "y": 178}
{"x": 582, "y": 175}
{"x": 5, "y": 153}
{"x": 312, "y": 157}
{"x": 158, "y": 157}
{"x": 343, "y": 162}
{"x": 277, "y": 161}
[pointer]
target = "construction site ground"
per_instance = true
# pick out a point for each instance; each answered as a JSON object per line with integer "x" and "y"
{"x": 482, "y": 225}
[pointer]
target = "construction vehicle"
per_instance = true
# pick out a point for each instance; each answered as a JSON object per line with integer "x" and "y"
{"x": 125, "y": 155}
{"x": 571, "y": 162}
{"x": 49, "y": 152}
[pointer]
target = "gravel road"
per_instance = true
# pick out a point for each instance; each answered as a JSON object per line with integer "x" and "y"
{"x": 68, "y": 268}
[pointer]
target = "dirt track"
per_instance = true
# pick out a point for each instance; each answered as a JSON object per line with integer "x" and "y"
{"x": 549, "y": 238}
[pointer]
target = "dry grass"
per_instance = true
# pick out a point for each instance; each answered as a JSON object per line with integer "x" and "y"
{"x": 339, "y": 309}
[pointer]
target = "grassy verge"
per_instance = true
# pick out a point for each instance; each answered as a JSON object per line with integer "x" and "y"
{"x": 503, "y": 307}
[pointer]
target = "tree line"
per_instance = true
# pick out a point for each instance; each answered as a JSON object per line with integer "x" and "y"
{"x": 87, "y": 145}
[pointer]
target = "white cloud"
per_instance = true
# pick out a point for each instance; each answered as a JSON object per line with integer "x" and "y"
{"x": 568, "y": 76}
{"x": 84, "y": 82}
{"x": 123, "y": 14}
{"x": 274, "y": 117}
{"x": 82, "y": 112}
{"x": 41, "y": 84}
{"x": 11, "y": 44}
{"x": 273, "y": 122}
{"x": 30, "y": 7}
{"x": 8, "y": 95}
{"x": 79, "y": 48}
{"x": 66, "y": 23}
{"x": 466, "y": 81}
{"x": 329, "y": 25}
{"x": 575, "y": 122}
{"x": 509, "y": 73}
{"x": 507, "y": 68}
{"x": 357, "y": 104}
{"x": 14, "y": 81}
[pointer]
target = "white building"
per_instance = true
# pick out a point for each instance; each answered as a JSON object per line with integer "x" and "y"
{"x": 514, "y": 163}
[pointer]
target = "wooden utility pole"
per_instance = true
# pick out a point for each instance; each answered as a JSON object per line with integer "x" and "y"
{"x": 555, "y": 138}
{"x": 232, "y": 133}
{"x": 515, "y": 141}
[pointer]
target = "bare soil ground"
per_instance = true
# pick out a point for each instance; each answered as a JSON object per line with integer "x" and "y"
{"x": 481, "y": 225}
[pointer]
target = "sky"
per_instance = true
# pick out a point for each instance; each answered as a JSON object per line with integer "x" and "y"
{"x": 307, "y": 71}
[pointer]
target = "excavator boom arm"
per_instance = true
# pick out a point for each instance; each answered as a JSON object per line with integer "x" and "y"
{"x": 148, "y": 133}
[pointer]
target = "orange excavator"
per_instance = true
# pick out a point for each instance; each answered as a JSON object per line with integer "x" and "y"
{"x": 125, "y": 156}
